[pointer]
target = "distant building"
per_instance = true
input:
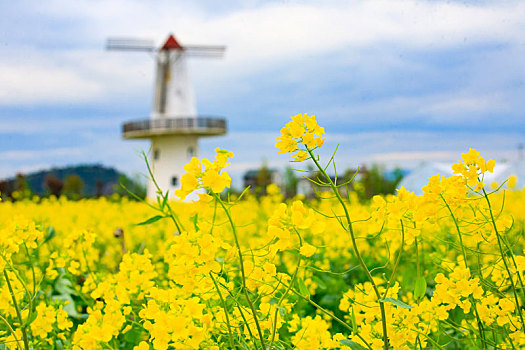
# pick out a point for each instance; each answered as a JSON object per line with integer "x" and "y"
{"x": 174, "y": 127}
{"x": 305, "y": 187}
{"x": 260, "y": 178}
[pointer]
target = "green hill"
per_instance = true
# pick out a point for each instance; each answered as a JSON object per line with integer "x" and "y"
{"x": 97, "y": 180}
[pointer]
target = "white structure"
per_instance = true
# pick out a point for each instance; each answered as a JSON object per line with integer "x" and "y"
{"x": 174, "y": 127}
{"x": 419, "y": 176}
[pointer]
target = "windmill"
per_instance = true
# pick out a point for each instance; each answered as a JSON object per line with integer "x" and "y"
{"x": 174, "y": 126}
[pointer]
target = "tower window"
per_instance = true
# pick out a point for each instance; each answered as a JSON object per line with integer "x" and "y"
{"x": 156, "y": 154}
{"x": 174, "y": 181}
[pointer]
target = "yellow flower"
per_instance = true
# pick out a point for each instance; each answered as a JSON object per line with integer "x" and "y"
{"x": 216, "y": 182}
{"x": 63, "y": 321}
{"x": 142, "y": 346}
{"x": 471, "y": 156}
{"x": 491, "y": 163}
{"x": 210, "y": 178}
{"x": 302, "y": 129}
{"x": 296, "y": 129}
{"x": 286, "y": 144}
{"x": 300, "y": 156}
{"x": 307, "y": 250}
{"x": 472, "y": 167}
{"x": 194, "y": 166}
{"x": 513, "y": 179}
{"x": 188, "y": 184}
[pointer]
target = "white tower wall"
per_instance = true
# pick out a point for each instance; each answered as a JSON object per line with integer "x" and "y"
{"x": 174, "y": 127}
{"x": 168, "y": 156}
{"x": 174, "y": 95}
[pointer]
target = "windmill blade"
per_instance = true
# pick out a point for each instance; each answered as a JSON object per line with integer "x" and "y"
{"x": 127, "y": 44}
{"x": 204, "y": 50}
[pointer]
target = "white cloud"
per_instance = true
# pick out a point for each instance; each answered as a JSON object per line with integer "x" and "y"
{"x": 465, "y": 104}
{"x": 79, "y": 76}
{"x": 412, "y": 156}
{"x": 257, "y": 38}
{"x": 39, "y": 154}
{"x": 16, "y": 124}
{"x": 380, "y": 48}
{"x": 36, "y": 84}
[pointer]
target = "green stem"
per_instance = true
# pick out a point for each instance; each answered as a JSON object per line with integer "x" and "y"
{"x": 418, "y": 272}
{"x": 418, "y": 341}
{"x": 457, "y": 229}
{"x": 18, "y": 314}
{"x": 518, "y": 274}
{"x": 31, "y": 297}
{"x": 243, "y": 275}
{"x": 326, "y": 312}
{"x": 225, "y": 311}
{"x": 429, "y": 339}
{"x": 173, "y": 216}
{"x": 175, "y": 219}
{"x": 397, "y": 260}
{"x": 95, "y": 279}
{"x": 473, "y": 302}
{"x": 354, "y": 245}
{"x": 12, "y": 330}
{"x": 214, "y": 217}
{"x": 238, "y": 305}
{"x": 32, "y": 268}
{"x": 282, "y": 299}
{"x": 505, "y": 261}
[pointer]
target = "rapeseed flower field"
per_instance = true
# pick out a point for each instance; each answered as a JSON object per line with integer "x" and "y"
{"x": 441, "y": 270}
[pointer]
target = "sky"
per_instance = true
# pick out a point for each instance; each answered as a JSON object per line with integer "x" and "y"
{"x": 393, "y": 82}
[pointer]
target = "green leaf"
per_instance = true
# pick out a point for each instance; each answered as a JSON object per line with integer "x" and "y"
{"x": 195, "y": 220}
{"x": 352, "y": 344}
{"x": 420, "y": 288}
{"x": 151, "y": 220}
{"x": 70, "y": 307}
{"x": 396, "y": 302}
{"x": 50, "y": 234}
{"x": 302, "y": 288}
{"x": 320, "y": 283}
{"x": 134, "y": 335}
{"x": 30, "y": 320}
{"x": 63, "y": 286}
{"x": 354, "y": 322}
{"x": 282, "y": 310}
{"x": 59, "y": 344}
{"x": 165, "y": 200}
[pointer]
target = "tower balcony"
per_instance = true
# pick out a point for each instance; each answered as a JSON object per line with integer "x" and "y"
{"x": 198, "y": 126}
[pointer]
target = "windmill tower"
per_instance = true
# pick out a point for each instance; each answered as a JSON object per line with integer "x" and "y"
{"x": 174, "y": 126}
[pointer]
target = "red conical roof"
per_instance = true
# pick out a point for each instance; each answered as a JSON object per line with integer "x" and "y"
{"x": 172, "y": 44}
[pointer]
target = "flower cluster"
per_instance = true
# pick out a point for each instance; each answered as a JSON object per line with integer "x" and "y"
{"x": 359, "y": 306}
{"x": 472, "y": 167}
{"x": 50, "y": 319}
{"x": 302, "y": 129}
{"x": 205, "y": 174}
{"x": 17, "y": 233}
{"x": 455, "y": 290}
{"x": 400, "y": 271}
